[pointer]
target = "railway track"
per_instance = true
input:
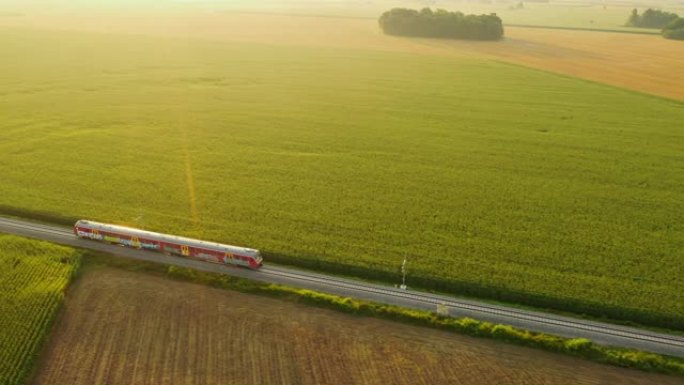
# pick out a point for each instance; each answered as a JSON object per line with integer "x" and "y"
{"x": 532, "y": 320}
{"x": 490, "y": 309}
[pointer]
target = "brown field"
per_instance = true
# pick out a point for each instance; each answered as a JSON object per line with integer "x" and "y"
{"x": 646, "y": 63}
{"x": 119, "y": 327}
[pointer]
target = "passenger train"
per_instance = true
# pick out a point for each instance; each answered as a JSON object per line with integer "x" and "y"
{"x": 169, "y": 244}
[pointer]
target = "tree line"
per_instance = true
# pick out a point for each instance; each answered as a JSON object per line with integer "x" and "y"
{"x": 671, "y": 24}
{"x": 651, "y": 18}
{"x": 674, "y": 30}
{"x": 441, "y": 24}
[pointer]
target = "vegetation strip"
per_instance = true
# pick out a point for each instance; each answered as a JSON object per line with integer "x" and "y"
{"x": 441, "y": 24}
{"x": 33, "y": 278}
{"x": 579, "y": 347}
{"x": 632, "y": 32}
{"x": 671, "y": 25}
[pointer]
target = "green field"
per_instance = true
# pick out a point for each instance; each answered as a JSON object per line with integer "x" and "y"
{"x": 494, "y": 180}
{"x": 33, "y": 277}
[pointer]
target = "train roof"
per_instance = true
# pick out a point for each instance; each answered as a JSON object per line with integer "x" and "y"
{"x": 167, "y": 237}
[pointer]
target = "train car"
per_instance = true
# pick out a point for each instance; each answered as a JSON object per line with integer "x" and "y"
{"x": 169, "y": 244}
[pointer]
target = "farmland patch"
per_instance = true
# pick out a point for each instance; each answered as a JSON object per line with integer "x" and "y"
{"x": 122, "y": 327}
{"x": 644, "y": 63}
{"x": 492, "y": 179}
{"x": 33, "y": 277}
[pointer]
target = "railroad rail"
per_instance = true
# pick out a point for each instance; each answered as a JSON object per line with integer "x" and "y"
{"x": 600, "y": 332}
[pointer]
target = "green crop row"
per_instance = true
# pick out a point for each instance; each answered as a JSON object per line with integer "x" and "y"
{"x": 33, "y": 277}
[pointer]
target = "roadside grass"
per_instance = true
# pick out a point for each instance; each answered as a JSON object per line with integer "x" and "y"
{"x": 494, "y": 181}
{"x": 33, "y": 278}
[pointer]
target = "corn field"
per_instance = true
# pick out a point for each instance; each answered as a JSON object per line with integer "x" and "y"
{"x": 33, "y": 277}
{"x": 492, "y": 180}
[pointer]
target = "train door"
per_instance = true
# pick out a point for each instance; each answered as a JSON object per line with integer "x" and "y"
{"x": 228, "y": 259}
{"x": 135, "y": 242}
{"x": 185, "y": 250}
{"x": 95, "y": 234}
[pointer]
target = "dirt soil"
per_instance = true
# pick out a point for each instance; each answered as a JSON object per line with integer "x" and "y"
{"x": 119, "y": 327}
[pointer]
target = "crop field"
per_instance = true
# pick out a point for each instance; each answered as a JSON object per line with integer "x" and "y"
{"x": 639, "y": 62}
{"x": 33, "y": 276}
{"x": 644, "y": 63}
{"x": 492, "y": 179}
{"x": 134, "y": 328}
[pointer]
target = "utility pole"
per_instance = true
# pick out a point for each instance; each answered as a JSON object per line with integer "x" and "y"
{"x": 403, "y": 274}
{"x": 403, "y": 263}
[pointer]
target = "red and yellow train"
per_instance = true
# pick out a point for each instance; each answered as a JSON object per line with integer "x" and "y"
{"x": 169, "y": 244}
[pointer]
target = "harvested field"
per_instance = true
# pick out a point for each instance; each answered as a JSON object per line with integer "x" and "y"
{"x": 131, "y": 328}
{"x": 645, "y": 63}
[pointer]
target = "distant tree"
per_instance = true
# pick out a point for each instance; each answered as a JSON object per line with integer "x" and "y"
{"x": 676, "y": 24}
{"x": 651, "y": 18}
{"x": 441, "y": 24}
{"x": 520, "y": 5}
{"x": 674, "y": 30}
{"x": 633, "y": 18}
